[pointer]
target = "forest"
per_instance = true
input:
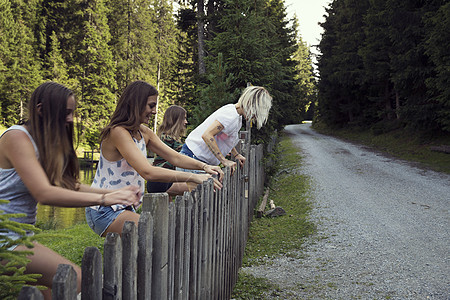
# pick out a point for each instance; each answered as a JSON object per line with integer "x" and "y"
{"x": 385, "y": 64}
{"x": 199, "y": 54}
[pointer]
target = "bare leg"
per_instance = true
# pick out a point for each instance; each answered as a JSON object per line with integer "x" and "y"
{"x": 178, "y": 188}
{"x": 117, "y": 224}
{"x": 45, "y": 261}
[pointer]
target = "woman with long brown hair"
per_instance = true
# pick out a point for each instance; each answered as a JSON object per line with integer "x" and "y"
{"x": 38, "y": 164}
{"x": 171, "y": 131}
{"x": 123, "y": 157}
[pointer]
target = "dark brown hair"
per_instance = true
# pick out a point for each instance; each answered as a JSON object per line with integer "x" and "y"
{"x": 47, "y": 112}
{"x": 130, "y": 106}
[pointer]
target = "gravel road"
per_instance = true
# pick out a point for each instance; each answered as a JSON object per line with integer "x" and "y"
{"x": 383, "y": 227}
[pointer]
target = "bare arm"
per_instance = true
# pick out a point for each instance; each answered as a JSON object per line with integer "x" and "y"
{"x": 121, "y": 140}
{"x": 19, "y": 152}
{"x": 208, "y": 137}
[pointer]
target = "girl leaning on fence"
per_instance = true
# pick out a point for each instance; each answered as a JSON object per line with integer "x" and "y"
{"x": 38, "y": 164}
{"x": 171, "y": 131}
{"x": 123, "y": 158}
{"x": 217, "y": 136}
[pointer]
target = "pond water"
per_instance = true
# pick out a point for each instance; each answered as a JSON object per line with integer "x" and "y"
{"x": 63, "y": 217}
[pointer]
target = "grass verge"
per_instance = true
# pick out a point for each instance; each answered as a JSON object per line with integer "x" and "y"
{"x": 404, "y": 144}
{"x": 270, "y": 237}
{"x": 71, "y": 242}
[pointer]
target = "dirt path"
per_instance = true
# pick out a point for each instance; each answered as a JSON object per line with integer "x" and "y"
{"x": 383, "y": 227}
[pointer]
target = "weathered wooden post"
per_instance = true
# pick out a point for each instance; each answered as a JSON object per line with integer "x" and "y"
{"x": 158, "y": 205}
{"x": 112, "y": 267}
{"x": 179, "y": 248}
{"x": 64, "y": 285}
{"x": 193, "y": 255}
{"x": 91, "y": 274}
{"x": 188, "y": 203}
{"x": 145, "y": 255}
{"x": 129, "y": 261}
{"x": 30, "y": 293}
{"x": 171, "y": 255}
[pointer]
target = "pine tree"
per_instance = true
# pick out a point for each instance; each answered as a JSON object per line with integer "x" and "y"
{"x": 96, "y": 74}
{"x": 20, "y": 62}
{"x": 437, "y": 37}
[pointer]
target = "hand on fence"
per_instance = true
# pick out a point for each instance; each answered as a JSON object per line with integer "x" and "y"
{"x": 214, "y": 170}
{"x": 129, "y": 195}
{"x": 199, "y": 178}
{"x": 241, "y": 159}
{"x": 231, "y": 164}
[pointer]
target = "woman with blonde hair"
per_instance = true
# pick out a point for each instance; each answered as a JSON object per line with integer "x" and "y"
{"x": 38, "y": 164}
{"x": 217, "y": 136}
{"x": 171, "y": 131}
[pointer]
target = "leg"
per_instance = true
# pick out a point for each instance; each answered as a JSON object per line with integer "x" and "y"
{"x": 117, "y": 224}
{"x": 45, "y": 261}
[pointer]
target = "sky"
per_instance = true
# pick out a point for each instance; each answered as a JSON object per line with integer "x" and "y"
{"x": 309, "y": 14}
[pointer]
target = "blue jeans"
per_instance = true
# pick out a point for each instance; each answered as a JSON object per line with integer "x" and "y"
{"x": 186, "y": 151}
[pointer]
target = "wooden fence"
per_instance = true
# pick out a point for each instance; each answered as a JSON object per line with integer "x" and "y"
{"x": 190, "y": 248}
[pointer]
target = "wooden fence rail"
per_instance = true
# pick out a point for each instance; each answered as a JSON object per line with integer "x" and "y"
{"x": 190, "y": 248}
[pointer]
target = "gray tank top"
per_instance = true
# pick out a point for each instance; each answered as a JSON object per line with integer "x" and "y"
{"x": 13, "y": 189}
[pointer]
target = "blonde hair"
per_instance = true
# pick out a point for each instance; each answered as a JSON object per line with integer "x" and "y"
{"x": 256, "y": 103}
{"x": 173, "y": 122}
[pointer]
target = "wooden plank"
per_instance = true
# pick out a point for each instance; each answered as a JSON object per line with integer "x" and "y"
{"x": 158, "y": 205}
{"x": 262, "y": 206}
{"x": 171, "y": 253}
{"x": 91, "y": 274}
{"x": 30, "y": 293}
{"x": 179, "y": 248}
{"x": 188, "y": 203}
{"x": 112, "y": 267}
{"x": 193, "y": 259}
{"x": 144, "y": 258}
{"x": 64, "y": 284}
{"x": 129, "y": 261}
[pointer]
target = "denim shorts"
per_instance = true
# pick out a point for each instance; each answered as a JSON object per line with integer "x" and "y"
{"x": 186, "y": 151}
{"x": 99, "y": 220}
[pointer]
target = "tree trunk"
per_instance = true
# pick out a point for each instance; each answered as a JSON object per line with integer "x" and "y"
{"x": 201, "y": 34}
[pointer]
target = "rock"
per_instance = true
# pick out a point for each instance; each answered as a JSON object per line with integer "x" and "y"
{"x": 276, "y": 212}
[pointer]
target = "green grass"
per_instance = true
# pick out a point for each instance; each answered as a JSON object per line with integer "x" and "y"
{"x": 284, "y": 235}
{"x": 404, "y": 144}
{"x": 71, "y": 242}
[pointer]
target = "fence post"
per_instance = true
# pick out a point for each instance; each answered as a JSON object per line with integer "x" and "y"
{"x": 158, "y": 205}
{"x": 187, "y": 199}
{"x": 179, "y": 248}
{"x": 112, "y": 267}
{"x": 171, "y": 255}
{"x": 30, "y": 293}
{"x": 129, "y": 261}
{"x": 193, "y": 255}
{"x": 64, "y": 285}
{"x": 144, "y": 258}
{"x": 91, "y": 274}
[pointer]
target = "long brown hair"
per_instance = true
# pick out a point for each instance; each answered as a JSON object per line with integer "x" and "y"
{"x": 47, "y": 112}
{"x": 173, "y": 122}
{"x": 130, "y": 106}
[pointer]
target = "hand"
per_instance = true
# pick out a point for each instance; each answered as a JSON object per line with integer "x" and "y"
{"x": 241, "y": 159}
{"x": 200, "y": 178}
{"x": 214, "y": 170}
{"x": 129, "y": 195}
{"x": 231, "y": 164}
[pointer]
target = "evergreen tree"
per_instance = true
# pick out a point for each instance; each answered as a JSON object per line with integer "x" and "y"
{"x": 96, "y": 71}
{"x": 20, "y": 65}
{"x": 437, "y": 37}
